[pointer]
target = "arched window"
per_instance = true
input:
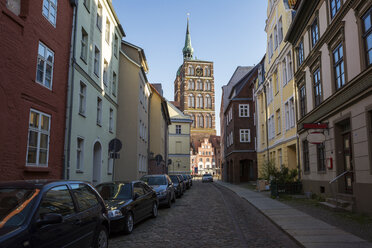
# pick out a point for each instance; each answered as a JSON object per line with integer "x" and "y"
{"x": 200, "y": 121}
{"x": 199, "y": 101}
{"x": 208, "y": 85}
{"x": 191, "y": 84}
{"x": 207, "y": 72}
{"x": 191, "y": 70}
{"x": 208, "y": 120}
{"x": 199, "y": 85}
{"x": 193, "y": 121}
{"x": 191, "y": 101}
{"x": 208, "y": 102}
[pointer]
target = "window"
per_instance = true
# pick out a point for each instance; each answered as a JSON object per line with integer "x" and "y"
{"x": 245, "y": 135}
{"x": 79, "y": 154}
{"x": 278, "y": 122}
{"x": 193, "y": 121}
{"x": 107, "y": 31}
{"x": 305, "y": 150}
{"x": 199, "y": 101}
{"x": 300, "y": 53}
{"x": 369, "y": 129}
{"x": 317, "y": 87}
{"x": 200, "y": 85}
{"x": 208, "y": 121}
{"x": 50, "y": 10}
{"x": 335, "y": 6}
{"x": 280, "y": 30}
{"x": 99, "y": 17}
{"x": 314, "y": 32}
{"x": 38, "y": 139}
{"x": 87, "y": 4}
{"x": 200, "y": 121}
{"x": 284, "y": 65}
{"x": 111, "y": 120}
{"x": 276, "y": 82}
{"x": 286, "y": 108}
{"x": 116, "y": 42}
{"x": 105, "y": 73}
{"x": 289, "y": 66}
{"x": 191, "y": 84}
{"x": 207, "y": 72}
{"x": 275, "y": 37}
{"x": 208, "y": 101}
{"x": 271, "y": 46}
{"x": 302, "y": 100}
{"x": 338, "y": 59}
{"x": 178, "y": 129}
{"x": 191, "y": 101}
{"x": 113, "y": 84}
{"x": 58, "y": 201}
{"x": 208, "y": 85}
{"x": 320, "y": 157}
{"x": 84, "y": 45}
{"x": 243, "y": 110}
{"x": 137, "y": 189}
{"x": 85, "y": 197}
{"x": 191, "y": 70}
{"x": 96, "y": 61}
{"x": 280, "y": 158}
{"x": 291, "y": 112}
{"x": 82, "y": 98}
{"x": 99, "y": 111}
{"x": 367, "y": 35}
{"x": 45, "y": 61}
{"x": 14, "y": 6}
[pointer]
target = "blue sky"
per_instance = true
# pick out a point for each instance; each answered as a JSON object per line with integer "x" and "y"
{"x": 228, "y": 32}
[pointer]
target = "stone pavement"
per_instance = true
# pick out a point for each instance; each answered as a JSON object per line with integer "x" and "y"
{"x": 305, "y": 229}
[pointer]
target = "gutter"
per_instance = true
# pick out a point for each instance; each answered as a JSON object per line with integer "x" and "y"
{"x": 70, "y": 94}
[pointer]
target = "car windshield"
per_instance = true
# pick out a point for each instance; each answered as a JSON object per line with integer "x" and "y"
{"x": 15, "y": 206}
{"x": 160, "y": 180}
{"x": 174, "y": 179}
{"x": 115, "y": 191}
{"x": 207, "y": 175}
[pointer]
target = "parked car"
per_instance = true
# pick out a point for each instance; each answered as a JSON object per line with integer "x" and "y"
{"x": 190, "y": 178}
{"x": 187, "y": 181}
{"x": 51, "y": 213}
{"x": 163, "y": 186}
{"x": 128, "y": 203}
{"x": 207, "y": 178}
{"x": 177, "y": 183}
{"x": 183, "y": 182}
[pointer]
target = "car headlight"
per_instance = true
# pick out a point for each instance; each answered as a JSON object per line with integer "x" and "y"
{"x": 114, "y": 213}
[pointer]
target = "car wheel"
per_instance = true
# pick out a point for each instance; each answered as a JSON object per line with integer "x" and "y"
{"x": 169, "y": 203}
{"x": 101, "y": 240}
{"x": 154, "y": 211}
{"x": 174, "y": 197}
{"x": 128, "y": 223}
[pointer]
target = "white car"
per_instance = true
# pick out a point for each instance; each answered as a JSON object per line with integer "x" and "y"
{"x": 207, "y": 178}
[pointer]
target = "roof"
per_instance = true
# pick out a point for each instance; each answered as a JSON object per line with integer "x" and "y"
{"x": 176, "y": 114}
{"x": 244, "y": 80}
{"x": 163, "y": 102}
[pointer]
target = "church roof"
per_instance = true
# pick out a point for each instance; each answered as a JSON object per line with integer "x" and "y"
{"x": 187, "y": 49}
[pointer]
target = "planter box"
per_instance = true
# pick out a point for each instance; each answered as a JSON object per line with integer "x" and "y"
{"x": 285, "y": 188}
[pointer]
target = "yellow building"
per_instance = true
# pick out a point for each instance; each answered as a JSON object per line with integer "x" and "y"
{"x": 275, "y": 104}
{"x": 179, "y": 141}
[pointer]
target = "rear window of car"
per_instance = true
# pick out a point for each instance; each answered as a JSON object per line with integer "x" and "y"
{"x": 207, "y": 175}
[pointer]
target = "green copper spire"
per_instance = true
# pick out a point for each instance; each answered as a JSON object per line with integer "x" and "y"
{"x": 187, "y": 50}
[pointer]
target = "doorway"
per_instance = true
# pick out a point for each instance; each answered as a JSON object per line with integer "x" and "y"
{"x": 97, "y": 163}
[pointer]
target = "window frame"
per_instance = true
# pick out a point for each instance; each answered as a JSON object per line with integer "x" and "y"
{"x": 302, "y": 99}
{"x": 97, "y": 62}
{"x": 111, "y": 120}
{"x": 321, "y": 155}
{"x": 84, "y": 45}
{"x": 45, "y": 64}
{"x": 82, "y": 98}
{"x": 99, "y": 112}
{"x": 305, "y": 156}
{"x": 314, "y": 30}
{"x": 50, "y": 4}
{"x": 337, "y": 9}
{"x": 338, "y": 64}
{"x": 178, "y": 129}
{"x": 99, "y": 16}
{"x": 242, "y": 109}
{"x": 365, "y": 34}
{"x": 80, "y": 154}
{"x": 318, "y": 99}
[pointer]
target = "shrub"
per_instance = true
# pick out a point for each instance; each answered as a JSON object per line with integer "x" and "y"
{"x": 284, "y": 175}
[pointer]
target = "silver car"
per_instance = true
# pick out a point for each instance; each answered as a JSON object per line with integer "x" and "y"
{"x": 207, "y": 178}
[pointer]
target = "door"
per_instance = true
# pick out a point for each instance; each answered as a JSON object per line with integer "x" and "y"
{"x": 148, "y": 198}
{"x": 139, "y": 203}
{"x": 348, "y": 163}
{"x": 66, "y": 234}
{"x": 97, "y": 161}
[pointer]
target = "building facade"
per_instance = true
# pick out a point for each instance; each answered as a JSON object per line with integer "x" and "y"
{"x": 159, "y": 122}
{"x": 240, "y": 131}
{"x": 133, "y": 113}
{"x": 92, "y": 95}
{"x": 179, "y": 141}
{"x": 332, "y": 43}
{"x": 276, "y": 127}
{"x": 205, "y": 157}
{"x": 194, "y": 91}
{"x": 35, "y": 48}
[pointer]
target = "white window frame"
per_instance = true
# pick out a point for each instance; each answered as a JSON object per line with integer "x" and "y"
{"x": 46, "y": 62}
{"x": 286, "y": 109}
{"x": 105, "y": 76}
{"x": 47, "y": 5}
{"x": 97, "y": 61}
{"x": 245, "y": 135}
{"x": 80, "y": 154}
{"x": 99, "y": 16}
{"x": 107, "y": 31}
{"x": 99, "y": 111}
{"x": 291, "y": 112}
{"x": 84, "y": 45}
{"x": 114, "y": 78}
{"x": 39, "y": 132}
{"x": 178, "y": 129}
{"x": 82, "y": 98}
{"x": 243, "y": 110}
{"x": 111, "y": 120}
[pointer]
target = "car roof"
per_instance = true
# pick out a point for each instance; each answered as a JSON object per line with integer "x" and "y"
{"x": 155, "y": 175}
{"x": 36, "y": 183}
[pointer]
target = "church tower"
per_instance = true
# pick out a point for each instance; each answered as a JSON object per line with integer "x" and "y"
{"x": 194, "y": 91}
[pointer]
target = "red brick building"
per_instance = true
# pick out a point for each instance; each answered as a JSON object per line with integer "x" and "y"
{"x": 240, "y": 131}
{"x": 35, "y": 50}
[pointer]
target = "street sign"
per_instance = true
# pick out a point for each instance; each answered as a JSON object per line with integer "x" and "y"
{"x": 114, "y": 155}
{"x": 115, "y": 145}
{"x": 158, "y": 159}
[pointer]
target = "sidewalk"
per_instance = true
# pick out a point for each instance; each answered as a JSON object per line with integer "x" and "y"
{"x": 305, "y": 229}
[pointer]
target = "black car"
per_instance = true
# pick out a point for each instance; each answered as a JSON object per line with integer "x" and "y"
{"x": 177, "y": 183}
{"x": 190, "y": 179}
{"x": 163, "y": 186}
{"x": 182, "y": 182}
{"x": 45, "y": 213}
{"x": 128, "y": 203}
{"x": 187, "y": 181}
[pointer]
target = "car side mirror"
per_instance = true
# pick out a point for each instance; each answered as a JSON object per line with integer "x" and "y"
{"x": 50, "y": 218}
{"x": 136, "y": 196}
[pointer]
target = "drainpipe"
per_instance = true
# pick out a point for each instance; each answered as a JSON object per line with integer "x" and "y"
{"x": 267, "y": 128}
{"x": 148, "y": 131}
{"x": 297, "y": 136}
{"x": 70, "y": 94}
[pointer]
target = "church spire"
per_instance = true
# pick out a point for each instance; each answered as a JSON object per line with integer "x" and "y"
{"x": 187, "y": 50}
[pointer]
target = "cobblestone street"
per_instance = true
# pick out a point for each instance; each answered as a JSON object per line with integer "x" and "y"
{"x": 208, "y": 215}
